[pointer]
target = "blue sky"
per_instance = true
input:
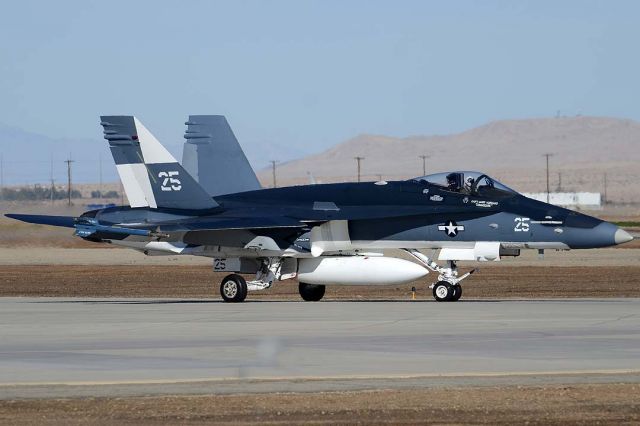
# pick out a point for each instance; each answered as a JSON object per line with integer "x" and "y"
{"x": 300, "y": 76}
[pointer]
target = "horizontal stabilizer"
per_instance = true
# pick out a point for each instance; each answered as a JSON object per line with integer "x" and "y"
{"x": 87, "y": 227}
{"x": 65, "y": 221}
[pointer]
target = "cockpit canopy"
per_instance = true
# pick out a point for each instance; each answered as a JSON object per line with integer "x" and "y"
{"x": 467, "y": 182}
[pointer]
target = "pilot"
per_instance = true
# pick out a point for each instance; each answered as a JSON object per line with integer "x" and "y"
{"x": 468, "y": 186}
{"x": 454, "y": 181}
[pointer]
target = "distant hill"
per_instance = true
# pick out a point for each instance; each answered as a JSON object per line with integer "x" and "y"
{"x": 583, "y": 148}
{"x": 27, "y": 158}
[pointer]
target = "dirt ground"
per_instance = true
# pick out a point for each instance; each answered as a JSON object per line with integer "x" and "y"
{"x": 201, "y": 282}
{"x": 568, "y": 405}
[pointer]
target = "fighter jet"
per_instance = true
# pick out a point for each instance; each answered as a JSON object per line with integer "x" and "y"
{"x": 323, "y": 234}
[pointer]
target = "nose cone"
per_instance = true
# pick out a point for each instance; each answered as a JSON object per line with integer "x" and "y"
{"x": 621, "y": 236}
{"x": 604, "y": 234}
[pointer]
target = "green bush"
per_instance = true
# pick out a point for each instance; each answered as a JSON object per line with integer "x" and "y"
{"x": 37, "y": 193}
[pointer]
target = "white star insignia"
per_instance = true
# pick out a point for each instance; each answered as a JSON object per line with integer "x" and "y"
{"x": 451, "y": 228}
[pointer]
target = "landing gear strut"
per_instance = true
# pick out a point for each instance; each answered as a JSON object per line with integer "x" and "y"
{"x": 448, "y": 288}
{"x": 234, "y": 287}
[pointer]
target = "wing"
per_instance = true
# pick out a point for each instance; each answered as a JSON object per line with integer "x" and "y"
{"x": 229, "y": 223}
{"x": 271, "y": 233}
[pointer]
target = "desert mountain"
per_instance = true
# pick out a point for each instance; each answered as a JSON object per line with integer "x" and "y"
{"x": 583, "y": 148}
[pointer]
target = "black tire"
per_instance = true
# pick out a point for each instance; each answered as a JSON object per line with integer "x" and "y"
{"x": 311, "y": 292}
{"x": 443, "y": 291}
{"x": 233, "y": 288}
{"x": 457, "y": 293}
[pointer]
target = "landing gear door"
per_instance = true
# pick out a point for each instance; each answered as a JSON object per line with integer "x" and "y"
{"x": 239, "y": 265}
{"x": 289, "y": 268}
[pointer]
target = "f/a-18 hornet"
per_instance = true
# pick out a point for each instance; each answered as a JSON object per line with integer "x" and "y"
{"x": 325, "y": 234}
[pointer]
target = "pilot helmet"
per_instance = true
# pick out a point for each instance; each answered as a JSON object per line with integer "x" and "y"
{"x": 454, "y": 179}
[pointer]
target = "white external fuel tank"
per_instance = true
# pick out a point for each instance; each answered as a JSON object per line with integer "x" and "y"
{"x": 358, "y": 270}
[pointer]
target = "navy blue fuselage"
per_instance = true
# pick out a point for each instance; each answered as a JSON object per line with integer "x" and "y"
{"x": 391, "y": 212}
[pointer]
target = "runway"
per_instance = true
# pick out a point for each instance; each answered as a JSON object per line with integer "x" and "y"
{"x": 51, "y": 346}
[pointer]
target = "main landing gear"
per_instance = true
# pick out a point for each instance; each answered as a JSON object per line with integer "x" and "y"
{"x": 443, "y": 291}
{"x": 447, "y": 288}
{"x": 311, "y": 292}
{"x": 233, "y": 288}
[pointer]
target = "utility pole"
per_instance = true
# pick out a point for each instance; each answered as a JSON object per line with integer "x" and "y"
{"x": 358, "y": 160}
{"x": 424, "y": 164}
{"x": 605, "y": 189}
{"x": 100, "y": 168}
{"x": 53, "y": 188}
{"x": 273, "y": 171}
{"x": 548, "y": 190}
{"x": 1, "y": 177}
{"x": 69, "y": 161}
{"x": 559, "y": 182}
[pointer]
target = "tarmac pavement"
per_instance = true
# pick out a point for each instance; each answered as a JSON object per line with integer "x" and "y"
{"x": 73, "y": 347}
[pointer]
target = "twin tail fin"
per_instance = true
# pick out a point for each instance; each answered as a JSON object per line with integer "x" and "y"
{"x": 150, "y": 175}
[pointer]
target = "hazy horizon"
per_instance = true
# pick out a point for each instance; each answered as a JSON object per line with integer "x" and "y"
{"x": 294, "y": 78}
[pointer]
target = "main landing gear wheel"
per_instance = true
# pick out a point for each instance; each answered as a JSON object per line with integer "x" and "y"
{"x": 444, "y": 291}
{"x": 457, "y": 292}
{"x": 311, "y": 292}
{"x": 233, "y": 288}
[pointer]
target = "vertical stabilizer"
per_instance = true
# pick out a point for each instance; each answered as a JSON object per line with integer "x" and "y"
{"x": 150, "y": 175}
{"x": 213, "y": 156}
{"x": 120, "y": 131}
{"x": 173, "y": 187}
